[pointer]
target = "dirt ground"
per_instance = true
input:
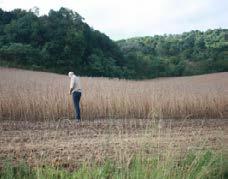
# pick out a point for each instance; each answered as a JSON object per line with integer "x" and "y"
{"x": 68, "y": 144}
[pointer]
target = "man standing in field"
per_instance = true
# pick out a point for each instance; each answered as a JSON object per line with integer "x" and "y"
{"x": 75, "y": 91}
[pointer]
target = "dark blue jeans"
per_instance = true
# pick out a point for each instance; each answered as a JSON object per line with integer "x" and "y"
{"x": 76, "y": 99}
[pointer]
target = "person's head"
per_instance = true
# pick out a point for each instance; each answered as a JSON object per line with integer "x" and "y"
{"x": 70, "y": 74}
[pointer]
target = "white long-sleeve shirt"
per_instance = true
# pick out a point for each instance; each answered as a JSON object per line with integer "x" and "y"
{"x": 75, "y": 84}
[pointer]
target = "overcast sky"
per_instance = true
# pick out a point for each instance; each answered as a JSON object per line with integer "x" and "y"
{"x": 121, "y": 19}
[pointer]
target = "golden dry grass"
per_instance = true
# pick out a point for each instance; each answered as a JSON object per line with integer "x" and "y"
{"x": 27, "y": 95}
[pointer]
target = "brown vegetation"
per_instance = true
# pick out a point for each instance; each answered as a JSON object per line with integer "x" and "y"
{"x": 27, "y": 95}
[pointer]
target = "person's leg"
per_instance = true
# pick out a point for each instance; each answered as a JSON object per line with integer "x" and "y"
{"x": 78, "y": 106}
{"x": 74, "y": 96}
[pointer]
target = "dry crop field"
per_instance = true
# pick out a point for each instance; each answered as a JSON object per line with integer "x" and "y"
{"x": 27, "y": 95}
{"x": 165, "y": 117}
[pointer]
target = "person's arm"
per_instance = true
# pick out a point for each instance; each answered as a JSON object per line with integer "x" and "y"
{"x": 71, "y": 84}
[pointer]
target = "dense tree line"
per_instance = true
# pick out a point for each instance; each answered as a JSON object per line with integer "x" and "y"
{"x": 190, "y": 53}
{"x": 61, "y": 41}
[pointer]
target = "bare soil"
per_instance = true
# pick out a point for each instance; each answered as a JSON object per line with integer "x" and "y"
{"x": 68, "y": 144}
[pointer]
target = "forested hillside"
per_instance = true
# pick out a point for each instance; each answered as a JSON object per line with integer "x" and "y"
{"x": 61, "y": 41}
{"x": 189, "y": 53}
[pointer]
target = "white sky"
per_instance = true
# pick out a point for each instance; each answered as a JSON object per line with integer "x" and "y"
{"x": 120, "y": 19}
